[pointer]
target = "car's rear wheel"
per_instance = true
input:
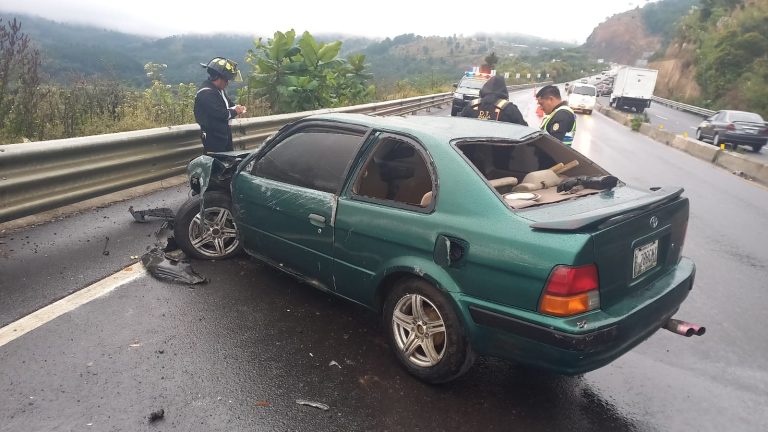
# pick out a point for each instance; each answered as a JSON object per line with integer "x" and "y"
{"x": 716, "y": 140}
{"x": 213, "y": 236}
{"x": 757, "y": 147}
{"x": 425, "y": 332}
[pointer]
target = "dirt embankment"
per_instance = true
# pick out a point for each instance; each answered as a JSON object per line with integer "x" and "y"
{"x": 677, "y": 73}
{"x": 622, "y": 38}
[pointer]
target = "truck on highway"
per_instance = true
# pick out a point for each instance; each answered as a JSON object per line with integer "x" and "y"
{"x": 633, "y": 88}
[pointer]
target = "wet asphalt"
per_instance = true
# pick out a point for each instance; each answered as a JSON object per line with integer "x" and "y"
{"x": 236, "y": 353}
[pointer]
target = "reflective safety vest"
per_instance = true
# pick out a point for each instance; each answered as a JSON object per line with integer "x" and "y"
{"x": 568, "y": 139}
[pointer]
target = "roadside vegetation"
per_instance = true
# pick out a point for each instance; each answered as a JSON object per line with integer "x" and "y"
{"x": 732, "y": 56}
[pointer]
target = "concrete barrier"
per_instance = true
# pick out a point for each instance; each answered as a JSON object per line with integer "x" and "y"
{"x": 698, "y": 149}
{"x": 735, "y": 162}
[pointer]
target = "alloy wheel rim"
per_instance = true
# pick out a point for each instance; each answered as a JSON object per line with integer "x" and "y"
{"x": 419, "y": 330}
{"x": 216, "y": 237}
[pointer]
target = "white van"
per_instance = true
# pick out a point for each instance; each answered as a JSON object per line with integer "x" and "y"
{"x": 582, "y": 97}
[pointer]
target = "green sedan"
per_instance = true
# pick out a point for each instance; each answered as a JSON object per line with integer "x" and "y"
{"x": 468, "y": 237}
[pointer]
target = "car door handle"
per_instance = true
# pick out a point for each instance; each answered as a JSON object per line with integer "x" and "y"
{"x": 316, "y": 219}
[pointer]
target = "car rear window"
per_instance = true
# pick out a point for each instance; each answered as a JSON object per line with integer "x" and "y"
{"x": 739, "y": 116}
{"x": 584, "y": 90}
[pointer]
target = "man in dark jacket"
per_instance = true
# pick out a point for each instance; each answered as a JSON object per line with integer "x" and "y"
{"x": 560, "y": 120}
{"x": 213, "y": 108}
{"x": 494, "y": 104}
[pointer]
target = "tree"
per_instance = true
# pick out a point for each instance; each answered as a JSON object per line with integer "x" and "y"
{"x": 20, "y": 80}
{"x": 491, "y": 60}
{"x": 304, "y": 74}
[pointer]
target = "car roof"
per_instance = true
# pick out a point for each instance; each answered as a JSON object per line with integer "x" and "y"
{"x": 442, "y": 128}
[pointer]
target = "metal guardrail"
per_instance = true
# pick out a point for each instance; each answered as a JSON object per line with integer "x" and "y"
{"x": 684, "y": 107}
{"x": 43, "y": 175}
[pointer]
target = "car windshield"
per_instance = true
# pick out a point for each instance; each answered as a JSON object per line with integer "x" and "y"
{"x": 584, "y": 90}
{"x": 739, "y": 116}
{"x": 472, "y": 83}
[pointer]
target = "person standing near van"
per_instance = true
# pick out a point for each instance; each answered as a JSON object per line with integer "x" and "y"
{"x": 213, "y": 107}
{"x": 494, "y": 104}
{"x": 559, "y": 120}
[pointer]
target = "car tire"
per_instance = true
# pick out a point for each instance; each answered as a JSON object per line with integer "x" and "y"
{"x": 221, "y": 240}
{"x": 698, "y": 135}
{"x": 716, "y": 140}
{"x": 589, "y": 112}
{"x": 757, "y": 147}
{"x": 425, "y": 332}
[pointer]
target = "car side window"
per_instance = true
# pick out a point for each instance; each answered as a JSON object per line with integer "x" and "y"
{"x": 396, "y": 172}
{"x": 315, "y": 158}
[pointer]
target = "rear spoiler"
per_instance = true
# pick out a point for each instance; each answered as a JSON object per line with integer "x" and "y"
{"x": 614, "y": 214}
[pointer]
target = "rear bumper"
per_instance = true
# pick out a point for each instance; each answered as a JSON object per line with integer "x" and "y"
{"x": 743, "y": 139}
{"x": 583, "y": 343}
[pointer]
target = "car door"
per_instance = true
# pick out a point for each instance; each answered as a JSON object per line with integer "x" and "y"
{"x": 384, "y": 214}
{"x": 285, "y": 200}
{"x": 706, "y": 126}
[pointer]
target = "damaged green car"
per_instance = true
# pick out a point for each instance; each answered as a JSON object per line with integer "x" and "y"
{"x": 468, "y": 237}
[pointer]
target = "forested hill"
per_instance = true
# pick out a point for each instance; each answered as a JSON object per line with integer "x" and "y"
{"x": 73, "y": 52}
{"x": 723, "y": 44}
{"x": 639, "y": 33}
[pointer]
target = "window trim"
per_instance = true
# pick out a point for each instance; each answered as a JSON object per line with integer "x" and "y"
{"x": 374, "y": 138}
{"x": 298, "y": 127}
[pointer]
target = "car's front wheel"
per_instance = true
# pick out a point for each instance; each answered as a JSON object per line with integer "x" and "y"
{"x": 716, "y": 140}
{"x": 425, "y": 332}
{"x": 756, "y": 147}
{"x": 212, "y": 235}
{"x": 698, "y": 135}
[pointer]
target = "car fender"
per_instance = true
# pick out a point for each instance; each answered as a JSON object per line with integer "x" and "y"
{"x": 419, "y": 267}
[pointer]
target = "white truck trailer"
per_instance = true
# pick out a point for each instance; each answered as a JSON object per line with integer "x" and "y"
{"x": 633, "y": 88}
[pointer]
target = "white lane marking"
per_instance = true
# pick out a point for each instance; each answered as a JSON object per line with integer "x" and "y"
{"x": 69, "y": 303}
{"x": 661, "y": 117}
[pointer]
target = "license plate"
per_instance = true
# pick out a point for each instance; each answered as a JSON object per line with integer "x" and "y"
{"x": 646, "y": 257}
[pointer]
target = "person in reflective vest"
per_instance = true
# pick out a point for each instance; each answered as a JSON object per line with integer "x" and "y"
{"x": 213, "y": 107}
{"x": 560, "y": 120}
{"x": 494, "y": 104}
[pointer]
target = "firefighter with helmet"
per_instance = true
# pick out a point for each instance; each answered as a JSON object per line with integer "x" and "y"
{"x": 213, "y": 107}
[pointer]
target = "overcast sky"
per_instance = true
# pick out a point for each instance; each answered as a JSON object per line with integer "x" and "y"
{"x": 565, "y": 20}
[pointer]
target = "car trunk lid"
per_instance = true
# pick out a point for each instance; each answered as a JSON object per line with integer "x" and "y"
{"x": 637, "y": 235}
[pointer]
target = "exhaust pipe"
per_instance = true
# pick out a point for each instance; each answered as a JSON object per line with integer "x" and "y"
{"x": 684, "y": 328}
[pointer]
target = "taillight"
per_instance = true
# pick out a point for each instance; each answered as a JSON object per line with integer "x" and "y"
{"x": 731, "y": 127}
{"x": 571, "y": 290}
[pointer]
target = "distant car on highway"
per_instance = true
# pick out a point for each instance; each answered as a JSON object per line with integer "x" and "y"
{"x": 583, "y": 97}
{"x": 734, "y": 128}
{"x": 466, "y": 237}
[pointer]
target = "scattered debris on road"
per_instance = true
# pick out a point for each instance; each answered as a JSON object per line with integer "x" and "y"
{"x": 106, "y": 243}
{"x": 263, "y": 403}
{"x": 317, "y": 405}
{"x": 333, "y": 363}
{"x": 162, "y": 212}
{"x": 156, "y": 415}
{"x": 166, "y": 262}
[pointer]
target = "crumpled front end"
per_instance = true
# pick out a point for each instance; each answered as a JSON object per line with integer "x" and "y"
{"x": 214, "y": 171}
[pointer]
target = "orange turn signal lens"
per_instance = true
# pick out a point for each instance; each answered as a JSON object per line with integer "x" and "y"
{"x": 569, "y": 305}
